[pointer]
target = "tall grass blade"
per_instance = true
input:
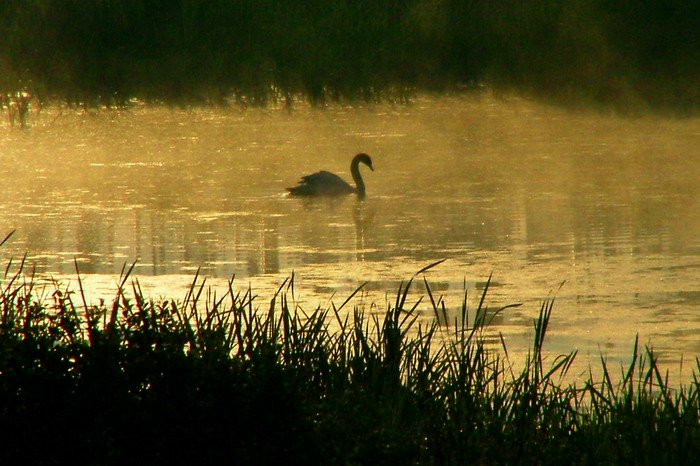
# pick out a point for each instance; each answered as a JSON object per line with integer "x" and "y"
{"x": 7, "y": 237}
{"x": 428, "y": 267}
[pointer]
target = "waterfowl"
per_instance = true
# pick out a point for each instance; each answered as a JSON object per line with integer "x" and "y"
{"x": 325, "y": 183}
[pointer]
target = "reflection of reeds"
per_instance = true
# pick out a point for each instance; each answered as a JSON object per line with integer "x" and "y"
{"x": 216, "y": 378}
{"x": 17, "y": 107}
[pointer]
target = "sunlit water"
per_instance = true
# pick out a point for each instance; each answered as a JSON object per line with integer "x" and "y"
{"x": 535, "y": 195}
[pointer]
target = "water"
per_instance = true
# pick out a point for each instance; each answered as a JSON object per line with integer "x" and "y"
{"x": 599, "y": 211}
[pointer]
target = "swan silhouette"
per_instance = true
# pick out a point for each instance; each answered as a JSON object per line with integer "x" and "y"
{"x": 325, "y": 183}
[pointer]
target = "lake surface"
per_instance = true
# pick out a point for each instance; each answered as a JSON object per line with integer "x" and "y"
{"x": 533, "y": 194}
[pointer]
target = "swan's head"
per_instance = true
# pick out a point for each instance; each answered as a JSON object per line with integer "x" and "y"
{"x": 364, "y": 158}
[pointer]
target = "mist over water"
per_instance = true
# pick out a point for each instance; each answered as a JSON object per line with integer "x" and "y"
{"x": 536, "y": 195}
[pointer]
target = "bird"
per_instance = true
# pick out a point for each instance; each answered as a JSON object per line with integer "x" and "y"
{"x": 325, "y": 183}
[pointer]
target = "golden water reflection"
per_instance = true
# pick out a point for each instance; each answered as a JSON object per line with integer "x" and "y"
{"x": 536, "y": 195}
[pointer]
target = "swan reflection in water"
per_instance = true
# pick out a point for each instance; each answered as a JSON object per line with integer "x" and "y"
{"x": 325, "y": 183}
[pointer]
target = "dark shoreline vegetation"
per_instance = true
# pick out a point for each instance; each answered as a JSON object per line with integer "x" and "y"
{"x": 618, "y": 53}
{"x": 234, "y": 379}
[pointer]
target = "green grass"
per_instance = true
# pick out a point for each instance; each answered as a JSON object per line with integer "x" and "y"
{"x": 257, "y": 380}
{"x": 256, "y": 52}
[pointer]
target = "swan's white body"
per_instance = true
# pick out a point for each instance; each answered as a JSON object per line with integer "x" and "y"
{"x": 325, "y": 183}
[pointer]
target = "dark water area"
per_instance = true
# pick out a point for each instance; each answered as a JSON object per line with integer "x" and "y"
{"x": 599, "y": 211}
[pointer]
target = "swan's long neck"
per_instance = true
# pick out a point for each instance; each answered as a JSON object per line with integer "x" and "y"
{"x": 359, "y": 183}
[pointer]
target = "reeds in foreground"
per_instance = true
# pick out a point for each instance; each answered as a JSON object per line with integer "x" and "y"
{"x": 226, "y": 378}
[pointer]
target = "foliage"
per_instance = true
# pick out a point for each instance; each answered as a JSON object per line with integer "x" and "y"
{"x": 221, "y": 379}
{"x": 256, "y": 52}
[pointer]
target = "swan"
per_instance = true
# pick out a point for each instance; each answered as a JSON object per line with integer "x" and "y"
{"x": 325, "y": 183}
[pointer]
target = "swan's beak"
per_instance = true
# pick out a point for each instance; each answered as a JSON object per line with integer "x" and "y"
{"x": 370, "y": 167}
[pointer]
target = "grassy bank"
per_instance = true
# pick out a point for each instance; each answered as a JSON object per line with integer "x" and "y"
{"x": 256, "y": 380}
{"x": 617, "y": 52}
